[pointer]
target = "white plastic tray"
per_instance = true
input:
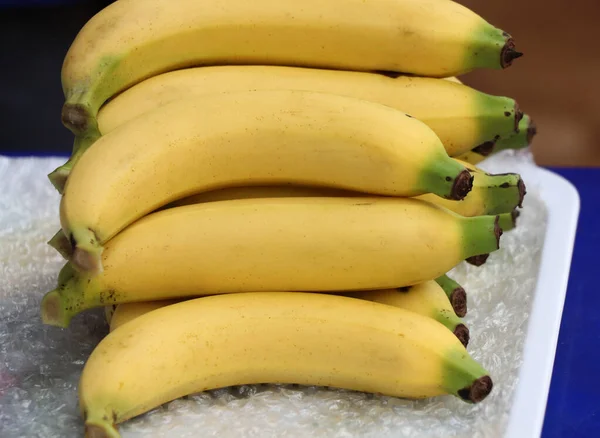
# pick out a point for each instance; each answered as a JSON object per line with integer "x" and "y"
{"x": 562, "y": 202}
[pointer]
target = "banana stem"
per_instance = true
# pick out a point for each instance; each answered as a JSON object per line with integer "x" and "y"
{"x": 469, "y": 381}
{"x": 481, "y": 235}
{"x": 456, "y": 294}
{"x": 446, "y": 178}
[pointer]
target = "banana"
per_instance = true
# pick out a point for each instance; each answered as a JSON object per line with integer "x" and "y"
{"x": 455, "y": 293}
{"x": 249, "y": 138}
{"x": 491, "y": 194}
{"x": 461, "y": 117}
{"x": 519, "y": 140}
{"x": 126, "y": 312}
{"x": 423, "y": 37}
{"x": 272, "y": 337}
{"x": 295, "y": 244}
{"x": 427, "y": 299}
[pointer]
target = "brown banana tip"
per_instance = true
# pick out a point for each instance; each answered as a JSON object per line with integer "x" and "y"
{"x": 485, "y": 148}
{"x": 515, "y": 215}
{"x": 497, "y": 231}
{"x": 478, "y": 390}
{"x": 458, "y": 300}
{"x": 531, "y": 131}
{"x": 509, "y": 54}
{"x": 462, "y": 333}
{"x": 463, "y": 184}
{"x": 478, "y": 260}
{"x": 518, "y": 116}
{"x": 75, "y": 117}
{"x": 522, "y": 192}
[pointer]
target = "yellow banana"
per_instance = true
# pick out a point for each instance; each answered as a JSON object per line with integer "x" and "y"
{"x": 295, "y": 244}
{"x": 519, "y": 140}
{"x": 424, "y": 37}
{"x": 126, "y": 312}
{"x": 272, "y": 337}
{"x": 490, "y": 195}
{"x": 427, "y": 299}
{"x": 455, "y": 293}
{"x": 249, "y": 138}
{"x": 461, "y": 117}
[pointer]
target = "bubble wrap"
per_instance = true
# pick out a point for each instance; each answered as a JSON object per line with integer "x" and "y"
{"x": 40, "y": 366}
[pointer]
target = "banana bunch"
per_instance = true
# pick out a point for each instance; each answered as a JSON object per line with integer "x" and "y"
{"x": 271, "y": 191}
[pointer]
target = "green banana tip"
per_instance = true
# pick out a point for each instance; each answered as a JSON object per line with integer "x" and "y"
{"x": 477, "y": 391}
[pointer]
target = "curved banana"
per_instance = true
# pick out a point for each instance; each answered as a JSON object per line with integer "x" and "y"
{"x": 427, "y": 299}
{"x": 296, "y": 244}
{"x": 249, "y": 138}
{"x": 490, "y": 195}
{"x": 272, "y": 337}
{"x": 424, "y": 37}
{"x": 461, "y": 117}
{"x": 519, "y": 140}
{"x": 455, "y": 293}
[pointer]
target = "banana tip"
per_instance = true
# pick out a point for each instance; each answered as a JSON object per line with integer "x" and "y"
{"x": 509, "y": 54}
{"x": 478, "y": 260}
{"x": 100, "y": 431}
{"x": 478, "y": 390}
{"x": 531, "y": 132}
{"x": 522, "y": 192}
{"x": 52, "y": 311}
{"x": 58, "y": 177}
{"x": 463, "y": 184}
{"x": 458, "y": 300}
{"x": 485, "y": 148}
{"x": 462, "y": 333}
{"x": 75, "y": 117}
{"x": 515, "y": 215}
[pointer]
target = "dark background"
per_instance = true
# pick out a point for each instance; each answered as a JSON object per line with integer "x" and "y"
{"x": 557, "y": 81}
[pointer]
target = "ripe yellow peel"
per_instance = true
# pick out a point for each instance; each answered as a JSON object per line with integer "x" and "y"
{"x": 113, "y": 52}
{"x": 304, "y": 244}
{"x": 310, "y": 339}
{"x": 461, "y": 117}
{"x": 247, "y": 138}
